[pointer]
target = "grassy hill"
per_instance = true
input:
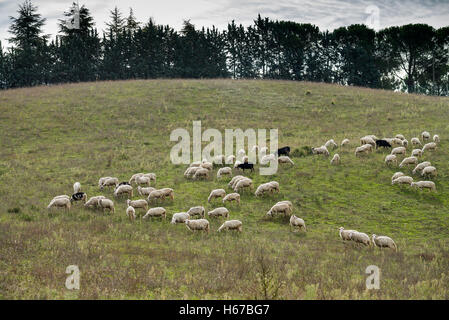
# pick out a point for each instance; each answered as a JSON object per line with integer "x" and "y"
{"x": 51, "y": 137}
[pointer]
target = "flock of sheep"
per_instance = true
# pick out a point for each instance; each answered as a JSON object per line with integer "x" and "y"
{"x": 239, "y": 183}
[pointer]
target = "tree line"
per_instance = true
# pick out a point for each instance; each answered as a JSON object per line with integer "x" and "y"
{"x": 412, "y": 58}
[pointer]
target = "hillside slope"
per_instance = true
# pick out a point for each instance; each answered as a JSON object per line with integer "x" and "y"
{"x": 51, "y": 137}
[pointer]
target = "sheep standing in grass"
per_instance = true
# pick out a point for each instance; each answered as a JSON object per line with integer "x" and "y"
{"x": 425, "y": 136}
{"x": 335, "y": 159}
{"x": 285, "y": 159}
{"x": 232, "y": 197}
{"x": 361, "y": 150}
{"x": 267, "y": 159}
{"x": 131, "y": 213}
{"x": 429, "y": 171}
{"x": 93, "y": 201}
{"x": 137, "y": 204}
{"x": 124, "y": 189}
{"x": 289, "y": 203}
{"x": 201, "y": 173}
{"x": 417, "y": 153}
{"x": 436, "y": 138}
{"x": 344, "y": 143}
{"x": 150, "y": 175}
{"x": 156, "y": 195}
{"x": 397, "y": 175}
{"x": 219, "y": 212}
{"x": 405, "y": 143}
{"x": 429, "y": 146}
{"x": 190, "y": 172}
{"x": 145, "y": 191}
{"x": 102, "y": 180}
{"x": 226, "y": 171}
{"x": 196, "y": 211}
{"x": 106, "y": 204}
{"x": 143, "y": 181}
{"x": 331, "y": 144}
{"x": 400, "y": 136}
{"x": 416, "y": 142}
{"x": 321, "y": 150}
{"x": 197, "y": 225}
{"x": 345, "y": 234}
{"x": 207, "y": 165}
{"x": 274, "y": 186}
{"x": 399, "y": 150}
{"x": 134, "y": 176}
{"x": 217, "y": 193}
{"x": 242, "y": 184}
{"x": 279, "y": 208}
{"x": 424, "y": 185}
{"x": 155, "y": 212}
{"x": 367, "y": 140}
{"x": 421, "y": 166}
{"x": 180, "y": 217}
{"x": 296, "y": 222}
{"x": 360, "y": 237}
{"x": 231, "y": 225}
{"x": 384, "y": 242}
{"x": 408, "y": 161}
{"x": 234, "y": 179}
{"x": 78, "y": 197}
{"x": 60, "y": 202}
{"x": 402, "y": 180}
{"x": 391, "y": 158}
{"x": 110, "y": 182}
{"x": 76, "y": 187}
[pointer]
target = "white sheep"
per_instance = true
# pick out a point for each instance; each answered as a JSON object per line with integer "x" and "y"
{"x": 196, "y": 211}
{"x": 207, "y": 165}
{"x": 134, "y": 176}
{"x": 201, "y": 173}
{"x": 101, "y": 180}
{"x": 180, "y": 217}
{"x": 335, "y": 159}
{"x": 384, "y": 242}
{"x": 278, "y": 208}
{"x": 399, "y": 150}
{"x": 131, "y": 213}
{"x": 421, "y": 166}
{"x": 230, "y": 159}
{"x": 234, "y": 179}
{"x": 409, "y": 160}
{"x": 197, "y": 225}
{"x": 267, "y": 159}
{"x": 168, "y": 192}
{"x": 124, "y": 189}
{"x": 416, "y": 142}
{"x": 321, "y": 150}
{"x": 360, "y": 237}
{"x": 150, "y": 175}
{"x": 232, "y": 197}
{"x": 297, "y": 222}
{"x": 424, "y": 185}
{"x": 367, "y": 140}
{"x": 285, "y": 159}
{"x": 156, "y": 212}
{"x": 93, "y": 201}
{"x": 397, "y": 175}
{"x": 156, "y": 195}
{"x": 242, "y": 184}
{"x": 366, "y": 148}
{"x": 429, "y": 146}
{"x": 60, "y": 202}
{"x": 231, "y": 225}
{"x": 143, "y": 180}
{"x": 417, "y": 153}
{"x": 429, "y": 171}
{"x": 225, "y": 171}
{"x": 396, "y": 141}
{"x": 190, "y": 172}
{"x": 402, "y": 180}
{"x": 331, "y": 143}
{"x": 289, "y": 203}
{"x": 345, "y": 234}
{"x": 217, "y": 193}
{"x": 110, "y": 182}
{"x": 391, "y": 158}
{"x": 405, "y": 143}
{"x": 105, "y": 203}
{"x": 137, "y": 204}
{"x": 425, "y": 135}
{"x": 436, "y": 138}
{"x": 344, "y": 142}
{"x": 274, "y": 186}
{"x": 267, "y": 187}
{"x": 219, "y": 212}
{"x": 76, "y": 187}
{"x": 400, "y": 136}
{"x": 145, "y": 191}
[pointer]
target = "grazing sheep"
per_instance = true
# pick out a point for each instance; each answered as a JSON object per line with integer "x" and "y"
{"x": 156, "y": 212}
{"x": 344, "y": 142}
{"x": 409, "y": 160}
{"x": 345, "y": 234}
{"x": 242, "y": 184}
{"x": 391, "y": 158}
{"x": 400, "y": 136}
{"x": 168, "y": 192}
{"x": 137, "y": 204}
{"x": 219, "y": 212}
{"x": 102, "y": 180}
{"x": 424, "y": 185}
{"x": 225, "y": 171}
{"x": 417, "y": 153}
{"x": 105, "y": 203}
{"x": 190, "y": 172}
{"x": 237, "y": 163}
{"x": 425, "y": 135}
{"x": 93, "y": 201}
{"x": 232, "y": 197}
{"x": 331, "y": 143}
{"x": 231, "y": 225}
{"x": 195, "y": 164}
{"x": 421, "y": 166}
{"x": 201, "y": 173}
{"x": 180, "y": 217}
{"x": 145, "y": 191}
{"x": 150, "y": 175}
{"x": 262, "y": 189}
{"x": 78, "y": 196}
{"x": 429, "y": 146}
{"x": 396, "y": 141}
{"x": 207, "y": 165}
{"x": 234, "y": 179}
{"x": 383, "y": 143}
{"x": 76, "y": 187}
{"x": 429, "y": 171}
{"x": 143, "y": 180}
{"x": 134, "y": 176}
{"x": 367, "y": 140}
{"x": 196, "y": 211}
{"x": 197, "y": 225}
{"x": 384, "y": 242}
{"x": 156, "y": 195}
{"x": 244, "y": 166}
{"x": 274, "y": 186}
{"x": 124, "y": 189}
{"x": 217, "y": 193}
{"x": 284, "y": 151}
{"x": 110, "y": 182}
{"x": 360, "y": 237}
{"x": 60, "y": 202}
{"x": 402, "y": 180}
{"x": 321, "y": 150}
{"x": 267, "y": 159}
{"x": 285, "y": 159}
{"x": 399, "y": 150}
{"x": 416, "y": 142}
{"x": 131, "y": 213}
{"x": 363, "y": 149}
{"x": 397, "y": 175}
{"x": 297, "y": 222}
{"x": 405, "y": 143}
{"x": 278, "y": 208}
{"x": 436, "y": 138}
{"x": 289, "y": 203}
{"x": 230, "y": 159}
{"x": 335, "y": 159}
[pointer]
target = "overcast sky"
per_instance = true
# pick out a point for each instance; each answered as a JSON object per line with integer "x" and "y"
{"x": 326, "y": 14}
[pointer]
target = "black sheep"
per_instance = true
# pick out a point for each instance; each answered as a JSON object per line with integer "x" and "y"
{"x": 78, "y": 196}
{"x": 283, "y": 151}
{"x": 246, "y": 165}
{"x": 383, "y": 143}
